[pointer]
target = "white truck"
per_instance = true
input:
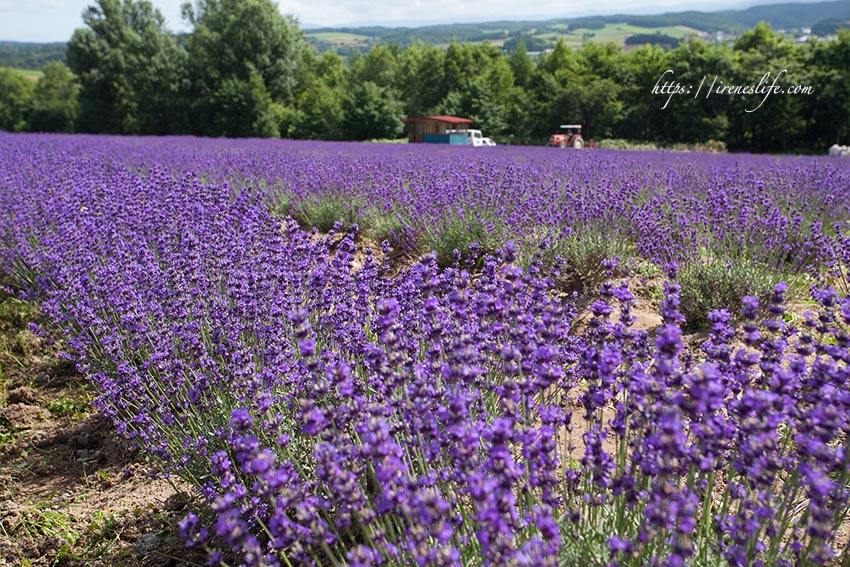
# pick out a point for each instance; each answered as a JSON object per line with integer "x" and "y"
{"x": 473, "y": 138}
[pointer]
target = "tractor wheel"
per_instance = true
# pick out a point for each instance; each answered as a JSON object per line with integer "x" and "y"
{"x": 578, "y": 144}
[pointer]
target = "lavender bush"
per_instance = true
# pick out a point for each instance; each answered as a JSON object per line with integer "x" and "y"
{"x": 331, "y": 410}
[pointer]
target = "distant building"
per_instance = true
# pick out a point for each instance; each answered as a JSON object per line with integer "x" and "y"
{"x": 417, "y": 128}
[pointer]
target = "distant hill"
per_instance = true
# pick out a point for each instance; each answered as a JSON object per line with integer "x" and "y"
{"x": 792, "y": 15}
{"x": 30, "y": 55}
{"x": 779, "y": 16}
{"x": 822, "y": 17}
{"x": 830, "y": 26}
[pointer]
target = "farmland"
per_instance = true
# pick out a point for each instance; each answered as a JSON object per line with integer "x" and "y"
{"x": 616, "y": 32}
{"x": 30, "y": 74}
{"x": 340, "y": 38}
{"x": 368, "y": 354}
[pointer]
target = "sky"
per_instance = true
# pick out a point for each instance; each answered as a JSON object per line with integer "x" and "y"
{"x": 55, "y": 20}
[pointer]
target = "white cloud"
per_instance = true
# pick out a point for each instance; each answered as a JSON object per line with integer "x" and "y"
{"x": 418, "y": 12}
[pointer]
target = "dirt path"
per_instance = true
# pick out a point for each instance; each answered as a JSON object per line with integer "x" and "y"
{"x": 71, "y": 492}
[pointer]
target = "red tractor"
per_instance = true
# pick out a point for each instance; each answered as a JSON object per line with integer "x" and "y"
{"x": 570, "y": 138}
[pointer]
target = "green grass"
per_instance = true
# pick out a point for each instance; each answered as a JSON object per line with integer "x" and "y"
{"x": 388, "y": 141}
{"x": 392, "y": 227}
{"x": 16, "y": 313}
{"x": 616, "y": 33}
{"x": 470, "y": 235}
{"x": 325, "y": 212}
{"x": 715, "y": 285}
{"x": 31, "y": 74}
{"x": 340, "y": 38}
{"x": 71, "y": 406}
{"x": 37, "y": 523}
{"x": 8, "y": 432}
{"x": 493, "y": 42}
{"x": 579, "y": 258}
{"x": 17, "y": 343}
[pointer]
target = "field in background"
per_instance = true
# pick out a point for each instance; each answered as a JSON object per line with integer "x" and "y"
{"x": 362, "y": 354}
{"x": 31, "y": 74}
{"x": 614, "y": 32}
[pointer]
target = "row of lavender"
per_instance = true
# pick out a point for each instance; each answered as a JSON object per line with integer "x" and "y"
{"x": 782, "y": 211}
{"x": 334, "y": 415}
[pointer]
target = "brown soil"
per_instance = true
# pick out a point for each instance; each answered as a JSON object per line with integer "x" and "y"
{"x": 71, "y": 492}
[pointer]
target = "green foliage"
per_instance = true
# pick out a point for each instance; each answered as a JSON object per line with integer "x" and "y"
{"x": 470, "y": 235}
{"x": 54, "y": 104}
{"x": 420, "y": 78}
{"x": 711, "y": 146}
{"x": 393, "y": 228}
{"x": 523, "y": 42}
{"x": 537, "y": 34}
{"x": 715, "y": 285}
{"x": 130, "y": 69}
{"x": 245, "y": 70}
{"x": 372, "y": 111}
{"x": 23, "y": 55}
{"x": 379, "y": 66}
{"x": 777, "y": 124}
{"x": 594, "y": 102}
{"x": 318, "y": 109}
{"x": 16, "y": 313}
{"x": 661, "y": 39}
{"x": 17, "y": 343}
{"x": 620, "y": 144}
{"x": 521, "y": 64}
{"x": 15, "y": 94}
{"x": 242, "y": 57}
{"x": 826, "y": 111}
{"x": 326, "y": 211}
{"x": 235, "y": 38}
{"x": 243, "y": 108}
{"x": 8, "y": 432}
{"x": 39, "y": 523}
{"x": 76, "y": 406}
{"x": 579, "y": 256}
{"x": 830, "y": 26}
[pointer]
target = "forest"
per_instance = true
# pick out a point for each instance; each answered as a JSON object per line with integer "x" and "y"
{"x": 245, "y": 70}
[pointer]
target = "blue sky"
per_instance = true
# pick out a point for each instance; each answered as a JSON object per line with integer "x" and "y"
{"x": 55, "y": 20}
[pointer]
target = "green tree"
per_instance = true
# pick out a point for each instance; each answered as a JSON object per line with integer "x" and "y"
{"x": 521, "y": 64}
{"x": 15, "y": 93}
{"x": 379, "y": 66}
{"x": 372, "y": 111}
{"x": 420, "y": 78}
{"x": 560, "y": 60}
{"x": 699, "y": 117}
{"x": 245, "y": 109}
{"x": 827, "y": 110}
{"x": 320, "y": 112}
{"x": 457, "y": 67}
{"x": 643, "y": 118}
{"x": 759, "y": 123}
{"x": 604, "y": 60}
{"x": 54, "y": 102}
{"x": 488, "y": 99}
{"x": 594, "y": 102}
{"x": 241, "y": 42}
{"x": 130, "y": 70}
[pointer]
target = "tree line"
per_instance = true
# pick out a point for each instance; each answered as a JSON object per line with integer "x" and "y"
{"x": 245, "y": 70}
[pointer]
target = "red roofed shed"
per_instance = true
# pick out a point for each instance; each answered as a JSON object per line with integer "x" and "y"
{"x": 421, "y": 125}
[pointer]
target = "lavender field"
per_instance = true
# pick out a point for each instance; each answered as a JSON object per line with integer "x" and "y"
{"x": 364, "y": 354}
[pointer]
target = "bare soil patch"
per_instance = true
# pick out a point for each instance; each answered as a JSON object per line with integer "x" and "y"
{"x": 72, "y": 493}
